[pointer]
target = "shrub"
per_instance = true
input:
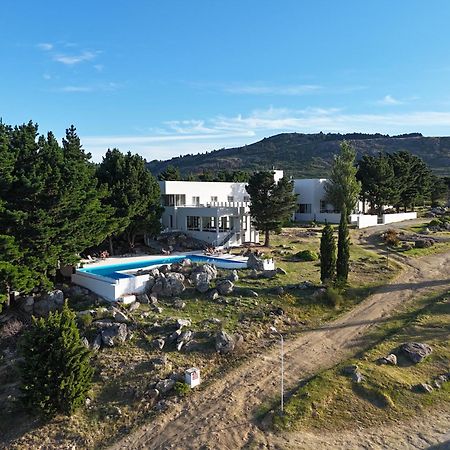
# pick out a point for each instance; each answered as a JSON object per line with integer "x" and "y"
{"x": 56, "y": 373}
{"x": 307, "y": 255}
{"x": 391, "y": 237}
{"x": 435, "y": 223}
{"x": 182, "y": 389}
{"x": 332, "y": 297}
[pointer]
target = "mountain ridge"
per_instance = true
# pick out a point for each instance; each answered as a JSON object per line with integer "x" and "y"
{"x": 309, "y": 155}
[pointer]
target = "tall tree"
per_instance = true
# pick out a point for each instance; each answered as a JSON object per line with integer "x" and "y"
{"x": 439, "y": 190}
{"x": 377, "y": 178}
{"x": 55, "y": 371}
{"x": 271, "y": 203}
{"x": 327, "y": 255}
{"x": 343, "y": 254}
{"x": 342, "y": 188}
{"x": 171, "y": 173}
{"x": 133, "y": 192}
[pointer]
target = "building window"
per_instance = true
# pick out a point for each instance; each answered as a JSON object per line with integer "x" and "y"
{"x": 174, "y": 200}
{"x": 209, "y": 223}
{"x": 230, "y": 199}
{"x": 214, "y": 198}
{"x": 244, "y": 223}
{"x": 193, "y": 223}
{"x": 304, "y": 208}
{"x": 195, "y": 201}
{"x": 224, "y": 224}
{"x": 327, "y": 208}
{"x": 171, "y": 221}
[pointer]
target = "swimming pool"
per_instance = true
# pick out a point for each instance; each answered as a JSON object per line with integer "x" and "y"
{"x": 118, "y": 271}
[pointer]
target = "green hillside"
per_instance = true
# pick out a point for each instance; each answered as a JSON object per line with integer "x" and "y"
{"x": 310, "y": 155}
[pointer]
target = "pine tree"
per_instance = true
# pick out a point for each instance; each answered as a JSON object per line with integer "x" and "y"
{"x": 55, "y": 372}
{"x": 343, "y": 254}
{"x": 327, "y": 255}
{"x": 271, "y": 203}
{"x": 170, "y": 173}
{"x": 342, "y": 188}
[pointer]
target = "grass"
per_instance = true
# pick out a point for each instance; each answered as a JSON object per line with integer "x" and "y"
{"x": 123, "y": 373}
{"x": 331, "y": 401}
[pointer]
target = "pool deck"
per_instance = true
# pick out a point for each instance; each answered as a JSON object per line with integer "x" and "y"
{"x": 128, "y": 259}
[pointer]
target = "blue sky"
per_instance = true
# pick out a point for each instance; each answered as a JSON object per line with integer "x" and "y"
{"x": 174, "y": 77}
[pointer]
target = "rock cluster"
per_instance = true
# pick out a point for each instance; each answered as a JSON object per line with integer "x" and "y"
{"x": 415, "y": 351}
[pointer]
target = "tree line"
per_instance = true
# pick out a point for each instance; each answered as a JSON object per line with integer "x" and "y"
{"x": 55, "y": 203}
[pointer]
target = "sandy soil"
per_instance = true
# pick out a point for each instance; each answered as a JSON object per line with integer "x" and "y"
{"x": 221, "y": 416}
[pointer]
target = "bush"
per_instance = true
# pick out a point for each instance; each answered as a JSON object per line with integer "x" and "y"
{"x": 435, "y": 223}
{"x": 391, "y": 238}
{"x": 332, "y": 297}
{"x": 307, "y": 255}
{"x": 56, "y": 373}
{"x": 181, "y": 389}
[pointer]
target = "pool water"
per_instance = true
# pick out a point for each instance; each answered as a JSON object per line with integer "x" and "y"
{"x": 115, "y": 271}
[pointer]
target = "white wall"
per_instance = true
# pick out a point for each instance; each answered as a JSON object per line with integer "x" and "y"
{"x": 399, "y": 217}
{"x": 366, "y": 220}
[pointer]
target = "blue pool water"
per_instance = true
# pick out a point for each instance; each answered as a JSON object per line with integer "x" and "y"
{"x": 113, "y": 271}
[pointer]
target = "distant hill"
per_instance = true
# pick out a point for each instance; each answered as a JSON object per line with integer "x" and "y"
{"x": 310, "y": 155}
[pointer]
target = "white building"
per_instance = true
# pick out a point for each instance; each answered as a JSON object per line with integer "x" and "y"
{"x": 215, "y": 212}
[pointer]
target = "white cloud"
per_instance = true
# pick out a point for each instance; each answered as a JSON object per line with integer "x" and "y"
{"x": 71, "y": 60}
{"x": 46, "y": 46}
{"x": 192, "y": 136}
{"x": 388, "y": 100}
{"x": 260, "y": 89}
{"x": 111, "y": 86}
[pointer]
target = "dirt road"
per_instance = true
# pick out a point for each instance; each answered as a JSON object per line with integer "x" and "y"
{"x": 222, "y": 415}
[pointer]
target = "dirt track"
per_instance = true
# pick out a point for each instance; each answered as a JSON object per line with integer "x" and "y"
{"x": 222, "y": 415}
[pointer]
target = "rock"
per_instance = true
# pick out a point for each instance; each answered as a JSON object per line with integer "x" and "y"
{"x": 202, "y": 286}
{"x": 183, "y": 339}
{"x": 213, "y": 295}
{"x": 57, "y": 297}
{"x": 161, "y": 363}
{"x": 203, "y": 274}
{"x": 423, "y": 243}
{"x": 97, "y": 342}
{"x": 350, "y": 370}
{"x": 183, "y": 323}
{"x": 170, "y": 285}
{"x": 157, "y": 309}
{"x": 224, "y": 287}
{"x": 253, "y": 274}
{"x": 415, "y": 351}
{"x": 173, "y": 337}
{"x": 248, "y": 293}
{"x": 279, "y": 290}
{"x": 85, "y": 342}
{"x": 153, "y": 299}
{"x": 357, "y": 377}
{"x": 103, "y": 323}
{"x": 423, "y": 387}
{"x": 224, "y": 343}
{"x": 112, "y": 335}
{"x": 159, "y": 343}
{"x": 233, "y": 276}
{"x": 143, "y": 298}
{"x": 26, "y": 304}
{"x": 152, "y": 394}
{"x": 42, "y": 307}
{"x": 281, "y": 271}
{"x": 179, "y": 304}
{"x": 214, "y": 320}
{"x": 119, "y": 316}
{"x": 134, "y": 306}
{"x": 164, "y": 386}
{"x": 390, "y": 359}
{"x": 164, "y": 268}
{"x": 253, "y": 262}
{"x": 269, "y": 273}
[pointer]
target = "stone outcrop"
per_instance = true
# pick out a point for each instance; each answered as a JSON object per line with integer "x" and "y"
{"x": 415, "y": 351}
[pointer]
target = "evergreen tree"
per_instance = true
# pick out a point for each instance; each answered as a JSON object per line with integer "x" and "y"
{"x": 271, "y": 203}
{"x": 342, "y": 188}
{"x": 343, "y": 253}
{"x": 377, "y": 178}
{"x": 327, "y": 255}
{"x": 56, "y": 373}
{"x": 133, "y": 192}
{"x": 171, "y": 173}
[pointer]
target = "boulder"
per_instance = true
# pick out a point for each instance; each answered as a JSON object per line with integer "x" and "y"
{"x": 173, "y": 337}
{"x": 233, "y": 276}
{"x": 213, "y": 295}
{"x": 357, "y": 377}
{"x": 183, "y": 323}
{"x": 350, "y": 370}
{"x": 169, "y": 285}
{"x": 415, "y": 351}
{"x": 423, "y": 243}
{"x": 159, "y": 343}
{"x": 390, "y": 359}
{"x": 143, "y": 298}
{"x": 134, "y": 306}
{"x": 164, "y": 268}
{"x": 179, "y": 304}
{"x": 253, "y": 274}
{"x": 269, "y": 273}
{"x": 26, "y": 304}
{"x": 50, "y": 302}
{"x": 114, "y": 334}
{"x": 253, "y": 262}
{"x": 224, "y": 343}
{"x": 203, "y": 273}
{"x": 183, "y": 339}
{"x": 57, "y": 297}
{"x": 119, "y": 316}
{"x": 281, "y": 271}
{"x": 164, "y": 386}
{"x": 97, "y": 342}
{"x": 423, "y": 387}
{"x": 224, "y": 287}
{"x": 202, "y": 286}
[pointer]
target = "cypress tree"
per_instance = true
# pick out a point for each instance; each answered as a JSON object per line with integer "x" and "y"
{"x": 56, "y": 373}
{"x": 343, "y": 254}
{"x": 327, "y": 255}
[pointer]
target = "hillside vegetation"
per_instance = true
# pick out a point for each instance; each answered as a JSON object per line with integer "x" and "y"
{"x": 310, "y": 155}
